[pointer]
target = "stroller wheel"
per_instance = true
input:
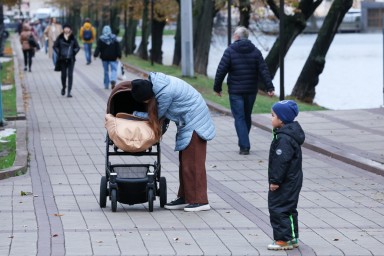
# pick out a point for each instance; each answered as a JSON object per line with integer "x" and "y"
{"x": 103, "y": 192}
{"x": 163, "y": 191}
{"x": 114, "y": 200}
{"x": 150, "y": 199}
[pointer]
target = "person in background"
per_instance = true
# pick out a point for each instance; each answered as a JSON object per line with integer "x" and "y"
{"x": 39, "y": 30}
{"x": 28, "y": 50}
{"x": 45, "y": 25}
{"x": 87, "y": 35}
{"x": 19, "y": 27}
{"x": 66, "y": 47}
{"x": 172, "y": 98}
{"x": 52, "y": 31}
{"x": 285, "y": 175}
{"x": 245, "y": 65}
{"x": 108, "y": 48}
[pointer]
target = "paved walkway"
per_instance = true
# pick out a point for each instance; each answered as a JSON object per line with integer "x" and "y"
{"x": 341, "y": 208}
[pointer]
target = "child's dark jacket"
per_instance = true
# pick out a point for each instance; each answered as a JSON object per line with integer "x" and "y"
{"x": 285, "y": 165}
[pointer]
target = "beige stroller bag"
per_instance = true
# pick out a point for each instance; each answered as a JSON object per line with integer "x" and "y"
{"x": 128, "y": 133}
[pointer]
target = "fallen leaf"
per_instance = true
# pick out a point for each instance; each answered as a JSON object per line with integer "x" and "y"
{"x": 23, "y": 193}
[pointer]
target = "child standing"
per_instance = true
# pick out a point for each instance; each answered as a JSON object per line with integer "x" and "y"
{"x": 285, "y": 175}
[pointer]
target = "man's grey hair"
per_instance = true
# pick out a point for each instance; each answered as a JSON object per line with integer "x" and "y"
{"x": 242, "y": 32}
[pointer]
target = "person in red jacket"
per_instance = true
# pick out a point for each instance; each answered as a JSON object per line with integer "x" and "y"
{"x": 28, "y": 50}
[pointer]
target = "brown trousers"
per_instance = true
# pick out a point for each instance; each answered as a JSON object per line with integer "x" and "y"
{"x": 192, "y": 173}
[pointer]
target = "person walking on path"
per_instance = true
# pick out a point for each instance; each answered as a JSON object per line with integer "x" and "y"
{"x": 39, "y": 33}
{"x": 244, "y": 64}
{"x": 174, "y": 99}
{"x": 52, "y": 31}
{"x": 28, "y": 49}
{"x": 109, "y": 50}
{"x": 66, "y": 47}
{"x": 87, "y": 35}
{"x": 285, "y": 175}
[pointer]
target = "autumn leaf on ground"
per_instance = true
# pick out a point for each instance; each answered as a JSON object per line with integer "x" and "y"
{"x": 23, "y": 193}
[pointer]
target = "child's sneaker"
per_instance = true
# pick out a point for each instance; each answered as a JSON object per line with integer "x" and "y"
{"x": 295, "y": 242}
{"x": 280, "y": 245}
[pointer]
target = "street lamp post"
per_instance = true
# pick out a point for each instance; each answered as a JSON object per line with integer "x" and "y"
{"x": 187, "y": 68}
{"x": 281, "y": 48}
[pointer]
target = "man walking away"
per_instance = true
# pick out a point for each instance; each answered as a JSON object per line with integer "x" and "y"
{"x": 244, "y": 64}
{"x": 88, "y": 35}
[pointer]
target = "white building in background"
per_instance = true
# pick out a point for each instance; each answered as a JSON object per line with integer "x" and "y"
{"x": 29, "y": 8}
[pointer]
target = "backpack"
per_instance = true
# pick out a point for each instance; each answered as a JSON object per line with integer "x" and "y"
{"x": 87, "y": 34}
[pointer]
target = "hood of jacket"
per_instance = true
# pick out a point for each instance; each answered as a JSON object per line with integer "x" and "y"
{"x": 107, "y": 37}
{"x": 293, "y": 130}
{"x": 243, "y": 46}
{"x": 87, "y": 25}
{"x": 26, "y": 27}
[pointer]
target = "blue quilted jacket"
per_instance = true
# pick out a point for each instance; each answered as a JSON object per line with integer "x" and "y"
{"x": 245, "y": 65}
{"x": 182, "y": 104}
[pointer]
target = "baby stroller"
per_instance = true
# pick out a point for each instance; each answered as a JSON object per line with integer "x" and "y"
{"x": 131, "y": 183}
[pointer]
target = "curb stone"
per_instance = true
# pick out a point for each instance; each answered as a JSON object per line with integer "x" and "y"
{"x": 20, "y": 124}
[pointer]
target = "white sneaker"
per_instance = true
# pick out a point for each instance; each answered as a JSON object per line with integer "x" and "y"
{"x": 197, "y": 207}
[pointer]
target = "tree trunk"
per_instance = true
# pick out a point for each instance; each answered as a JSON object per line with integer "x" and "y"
{"x": 124, "y": 43}
{"x": 74, "y": 18}
{"x": 177, "y": 51}
{"x": 114, "y": 20}
{"x": 304, "y": 89}
{"x": 132, "y": 27}
{"x": 158, "y": 29}
{"x": 294, "y": 25}
{"x": 244, "y": 9}
{"x": 204, "y": 12}
{"x": 143, "y": 48}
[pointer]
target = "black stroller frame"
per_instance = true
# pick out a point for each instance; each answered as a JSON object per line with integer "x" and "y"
{"x": 130, "y": 183}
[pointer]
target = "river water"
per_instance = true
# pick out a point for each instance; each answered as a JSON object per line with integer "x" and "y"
{"x": 353, "y": 73}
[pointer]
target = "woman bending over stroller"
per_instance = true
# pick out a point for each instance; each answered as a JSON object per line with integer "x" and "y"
{"x": 172, "y": 98}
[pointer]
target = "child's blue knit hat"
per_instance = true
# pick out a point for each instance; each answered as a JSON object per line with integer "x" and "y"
{"x": 286, "y": 110}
